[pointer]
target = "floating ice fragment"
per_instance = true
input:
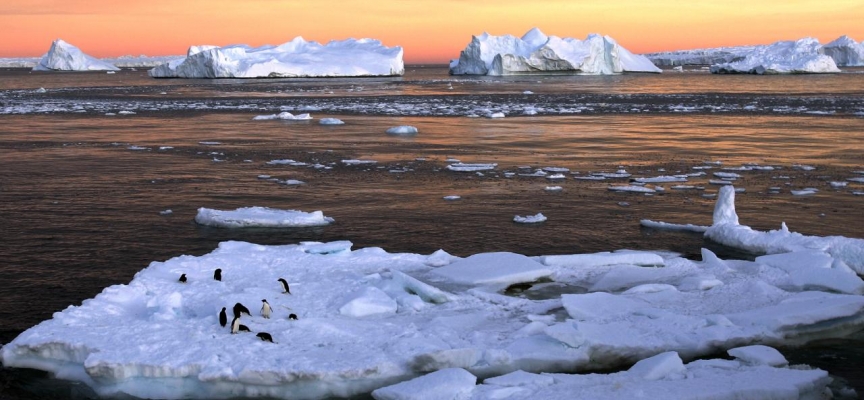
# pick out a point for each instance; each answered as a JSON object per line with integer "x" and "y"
{"x": 450, "y": 383}
{"x": 402, "y": 130}
{"x": 661, "y": 179}
{"x": 166, "y": 212}
{"x": 803, "y": 192}
{"x": 673, "y": 227}
{"x": 460, "y": 167}
{"x": 636, "y": 189}
{"x": 497, "y": 115}
{"x": 759, "y": 355}
{"x": 452, "y": 197}
{"x": 530, "y": 219}
{"x": 331, "y": 121}
{"x": 261, "y": 217}
{"x": 359, "y": 162}
{"x": 553, "y": 188}
{"x": 285, "y": 116}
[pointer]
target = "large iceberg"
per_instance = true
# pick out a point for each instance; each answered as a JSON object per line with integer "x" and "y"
{"x": 297, "y": 58}
{"x": 65, "y": 57}
{"x": 537, "y": 53}
{"x": 803, "y": 56}
{"x": 846, "y": 52}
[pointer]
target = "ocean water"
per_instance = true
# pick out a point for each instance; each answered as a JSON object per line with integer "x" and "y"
{"x": 81, "y": 192}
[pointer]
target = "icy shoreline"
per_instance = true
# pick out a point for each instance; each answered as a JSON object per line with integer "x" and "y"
{"x": 369, "y": 318}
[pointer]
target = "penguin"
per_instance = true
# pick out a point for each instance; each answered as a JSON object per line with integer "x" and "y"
{"x": 235, "y": 325}
{"x": 217, "y": 275}
{"x": 265, "y": 309}
{"x": 243, "y": 328}
{"x": 265, "y": 337}
{"x": 285, "y": 288}
{"x": 223, "y": 317}
{"x": 293, "y": 317}
{"x": 182, "y": 278}
{"x": 239, "y": 309}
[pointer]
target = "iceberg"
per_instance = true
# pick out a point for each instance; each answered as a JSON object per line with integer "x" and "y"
{"x": 260, "y": 217}
{"x": 65, "y": 57}
{"x": 845, "y": 52}
{"x": 535, "y": 53}
{"x": 297, "y": 58}
{"x": 803, "y": 56}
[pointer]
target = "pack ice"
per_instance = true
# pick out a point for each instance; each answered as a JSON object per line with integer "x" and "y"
{"x": 535, "y": 53}
{"x": 369, "y": 319}
{"x": 297, "y": 58}
{"x": 63, "y": 56}
{"x": 803, "y": 56}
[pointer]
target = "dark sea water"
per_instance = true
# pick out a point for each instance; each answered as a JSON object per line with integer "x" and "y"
{"x": 81, "y": 192}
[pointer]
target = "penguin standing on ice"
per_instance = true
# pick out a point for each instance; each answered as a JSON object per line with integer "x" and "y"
{"x": 223, "y": 317}
{"x": 182, "y": 278}
{"x": 265, "y": 337}
{"x": 285, "y": 288}
{"x": 217, "y": 275}
{"x": 265, "y": 309}
{"x": 240, "y": 309}
{"x": 235, "y": 325}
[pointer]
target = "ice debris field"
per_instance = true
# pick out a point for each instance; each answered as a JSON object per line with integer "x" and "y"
{"x": 412, "y": 326}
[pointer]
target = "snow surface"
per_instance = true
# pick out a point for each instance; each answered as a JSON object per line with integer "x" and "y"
{"x": 537, "y": 53}
{"x": 260, "y": 217}
{"x": 297, "y": 58}
{"x": 369, "y": 319}
{"x": 784, "y": 57}
{"x": 63, "y": 56}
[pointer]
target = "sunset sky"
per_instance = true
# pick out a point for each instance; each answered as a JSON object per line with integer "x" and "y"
{"x": 428, "y": 30}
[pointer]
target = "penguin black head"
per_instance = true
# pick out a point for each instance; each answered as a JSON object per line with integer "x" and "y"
{"x": 265, "y": 337}
{"x": 285, "y": 287}
{"x": 240, "y": 309}
{"x": 217, "y": 275}
{"x": 182, "y": 278}
{"x": 293, "y": 317}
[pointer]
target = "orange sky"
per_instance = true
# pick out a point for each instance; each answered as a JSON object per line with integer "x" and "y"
{"x": 429, "y": 31}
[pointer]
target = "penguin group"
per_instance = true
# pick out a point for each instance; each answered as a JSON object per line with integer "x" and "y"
{"x": 239, "y": 309}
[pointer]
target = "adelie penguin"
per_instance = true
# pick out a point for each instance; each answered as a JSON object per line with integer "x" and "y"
{"x": 223, "y": 317}
{"x": 182, "y": 278}
{"x": 235, "y": 325}
{"x": 240, "y": 309}
{"x": 217, "y": 275}
{"x": 292, "y": 317}
{"x": 285, "y": 288}
{"x": 265, "y": 309}
{"x": 243, "y": 328}
{"x": 265, "y": 337}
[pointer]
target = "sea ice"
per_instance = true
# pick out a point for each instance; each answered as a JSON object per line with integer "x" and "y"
{"x": 530, "y": 219}
{"x": 260, "y": 217}
{"x": 331, "y": 121}
{"x": 537, "y": 53}
{"x": 63, "y": 56}
{"x": 494, "y": 268}
{"x": 636, "y": 189}
{"x": 402, "y": 130}
{"x": 673, "y": 227}
{"x": 661, "y": 179}
{"x": 287, "y": 116}
{"x": 297, "y": 58}
{"x": 460, "y": 167}
{"x": 845, "y": 52}
{"x": 445, "y": 384}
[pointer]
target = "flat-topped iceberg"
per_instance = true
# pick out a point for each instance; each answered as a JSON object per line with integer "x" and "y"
{"x": 537, "y": 53}
{"x": 803, "y": 56}
{"x": 260, "y": 217}
{"x": 297, "y": 58}
{"x": 65, "y": 57}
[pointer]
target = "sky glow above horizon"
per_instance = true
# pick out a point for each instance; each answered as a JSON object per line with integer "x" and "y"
{"x": 429, "y": 31}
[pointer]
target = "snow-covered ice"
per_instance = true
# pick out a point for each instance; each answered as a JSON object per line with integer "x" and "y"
{"x": 673, "y": 227}
{"x": 784, "y": 57}
{"x": 445, "y": 384}
{"x": 631, "y": 188}
{"x": 63, "y": 56}
{"x": 331, "y": 121}
{"x": 460, "y": 167}
{"x": 297, "y": 58}
{"x": 535, "y": 53}
{"x": 260, "y": 217}
{"x": 845, "y": 52}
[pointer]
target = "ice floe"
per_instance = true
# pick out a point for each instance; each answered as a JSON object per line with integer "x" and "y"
{"x": 331, "y": 121}
{"x": 287, "y": 116}
{"x": 536, "y": 53}
{"x": 673, "y": 227}
{"x": 460, "y": 167}
{"x": 63, "y": 56}
{"x": 260, "y": 217}
{"x": 530, "y": 219}
{"x": 631, "y": 188}
{"x": 402, "y": 130}
{"x": 297, "y": 58}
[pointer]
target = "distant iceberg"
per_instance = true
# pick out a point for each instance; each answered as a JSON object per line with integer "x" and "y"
{"x": 537, "y": 53}
{"x": 803, "y": 56}
{"x": 297, "y": 58}
{"x": 65, "y": 57}
{"x": 846, "y": 52}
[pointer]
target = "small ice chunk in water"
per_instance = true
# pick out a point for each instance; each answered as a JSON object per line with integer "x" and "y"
{"x": 759, "y": 355}
{"x": 166, "y": 212}
{"x": 636, "y": 189}
{"x": 497, "y": 115}
{"x": 660, "y": 366}
{"x": 261, "y": 217}
{"x": 460, "y": 167}
{"x": 452, "y": 197}
{"x": 530, "y": 219}
{"x": 449, "y": 383}
{"x": 553, "y": 188}
{"x": 331, "y": 121}
{"x": 285, "y": 116}
{"x": 402, "y": 130}
{"x": 804, "y": 192}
